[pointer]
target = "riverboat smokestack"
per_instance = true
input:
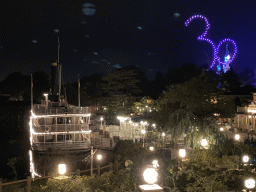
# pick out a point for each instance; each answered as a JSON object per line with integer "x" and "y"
{"x": 53, "y": 77}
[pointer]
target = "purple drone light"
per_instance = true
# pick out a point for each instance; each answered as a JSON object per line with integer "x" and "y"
{"x": 235, "y": 50}
{"x": 206, "y": 22}
{"x": 203, "y": 38}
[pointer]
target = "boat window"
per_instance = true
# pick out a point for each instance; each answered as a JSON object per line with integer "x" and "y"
{"x": 60, "y": 137}
{"x": 41, "y": 121}
{"x": 68, "y": 137}
{"x": 60, "y": 120}
{"x": 40, "y": 138}
{"x": 68, "y": 120}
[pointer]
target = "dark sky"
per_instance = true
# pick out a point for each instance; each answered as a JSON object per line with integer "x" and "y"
{"x": 148, "y": 33}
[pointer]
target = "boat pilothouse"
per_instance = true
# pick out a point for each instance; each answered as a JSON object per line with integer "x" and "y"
{"x": 57, "y": 129}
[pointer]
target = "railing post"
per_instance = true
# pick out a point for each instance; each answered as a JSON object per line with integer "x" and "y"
{"x": 111, "y": 167}
{"x": 91, "y": 161}
{"x": 78, "y": 172}
{"x": 28, "y": 184}
{"x": 99, "y": 170}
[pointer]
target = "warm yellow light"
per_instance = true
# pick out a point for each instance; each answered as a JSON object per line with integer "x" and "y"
{"x": 237, "y": 137}
{"x": 221, "y": 129}
{"x": 99, "y": 157}
{"x": 101, "y": 118}
{"x": 182, "y": 152}
{"x": 204, "y": 142}
{"x": 151, "y": 148}
{"x": 163, "y": 134}
{"x": 154, "y": 125}
{"x": 245, "y": 159}
{"x": 250, "y": 116}
{"x": 62, "y": 169}
{"x": 155, "y": 163}
{"x": 45, "y": 94}
{"x": 150, "y": 175}
{"x": 143, "y": 131}
{"x": 249, "y": 183}
{"x": 121, "y": 119}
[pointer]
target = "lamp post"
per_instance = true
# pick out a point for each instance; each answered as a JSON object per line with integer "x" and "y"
{"x": 163, "y": 135}
{"x": 99, "y": 158}
{"x": 101, "y": 119}
{"x": 143, "y": 132}
{"x": 91, "y": 160}
{"x": 150, "y": 176}
{"x": 62, "y": 168}
{"x": 131, "y": 127}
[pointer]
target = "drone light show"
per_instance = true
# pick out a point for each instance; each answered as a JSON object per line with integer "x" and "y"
{"x": 216, "y": 49}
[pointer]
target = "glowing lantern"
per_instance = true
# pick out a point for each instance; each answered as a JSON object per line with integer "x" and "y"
{"x": 62, "y": 169}
{"x": 237, "y": 137}
{"x": 204, "y": 142}
{"x": 99, "y": 157}
{"x": 150, "y": 175}
{"x": 182, "y": 152}
{"x": 155, "y": 163}
{"x": 245, "y": 159}
{"x": 249, "y": 183}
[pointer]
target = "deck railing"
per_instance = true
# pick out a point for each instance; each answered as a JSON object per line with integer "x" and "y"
{"x": 28, "y": 184}
{"x": 40, "y": 146}
{"x": 40, "y": 109}
{"x": 60, "y": 128}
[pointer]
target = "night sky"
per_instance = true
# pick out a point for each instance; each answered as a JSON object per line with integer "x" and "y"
{"x": 148, "y": 33}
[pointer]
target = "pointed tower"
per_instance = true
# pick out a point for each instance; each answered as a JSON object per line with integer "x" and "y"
{"x": 226, "y": 60}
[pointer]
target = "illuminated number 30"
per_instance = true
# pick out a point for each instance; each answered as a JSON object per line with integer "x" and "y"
{"x": 215, "y": 49}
